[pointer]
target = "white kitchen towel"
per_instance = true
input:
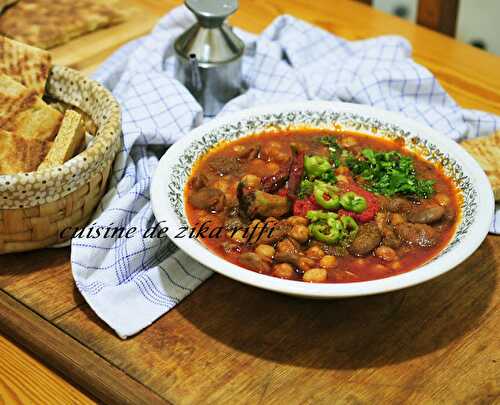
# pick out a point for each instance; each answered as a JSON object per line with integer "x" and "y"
{"x": 131, "y": 282}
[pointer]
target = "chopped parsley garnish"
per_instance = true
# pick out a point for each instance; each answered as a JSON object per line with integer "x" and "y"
{"x": 306, "y": 189}
{"x": 328, "y": 177}
{"x": 390, "y": 173}
{"x": 334, "y": 148}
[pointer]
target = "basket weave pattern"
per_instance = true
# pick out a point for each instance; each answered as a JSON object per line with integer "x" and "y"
{"x": 35, "y": 208}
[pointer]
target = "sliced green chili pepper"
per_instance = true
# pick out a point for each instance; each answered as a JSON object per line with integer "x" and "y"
{"x": 353, "y": 202}
{"x": 327, "y": 227}
{"x": 320, "y": 189}
{"x": 350, "y": 225}
{"x": 315, "y": 165}
{"x": 315, "y": 216}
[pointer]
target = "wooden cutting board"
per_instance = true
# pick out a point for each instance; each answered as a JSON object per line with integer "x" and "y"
{"x": 230, "y": 343}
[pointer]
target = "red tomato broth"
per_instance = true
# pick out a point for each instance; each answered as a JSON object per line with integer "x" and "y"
{"x": 349, "y": 268}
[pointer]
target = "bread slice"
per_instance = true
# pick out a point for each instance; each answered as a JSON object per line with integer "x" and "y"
{"x": 24, "y": 113}
{"x": 61, "y": 106}
{"x": 5, "y": 3}
{"x": 20, "y": 155}
{"x": 47, "y": 23}
{"x": 486, "y": 150}
{"x": 68, "y": 139}
{"x": 28, "y": 65}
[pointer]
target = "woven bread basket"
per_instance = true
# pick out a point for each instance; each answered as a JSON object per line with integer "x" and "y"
{"x": 39, "y": 209}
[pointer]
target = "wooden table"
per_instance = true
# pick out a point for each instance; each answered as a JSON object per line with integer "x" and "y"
{"x": 227, "y": 342}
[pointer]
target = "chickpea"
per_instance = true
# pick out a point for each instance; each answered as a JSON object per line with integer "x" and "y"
{"x": 251, "y": 180}
{"x": 283, "y": 270}
{"x": 328, "y": 262}
{"x": 265, "y": 251}
{"x": 380, "y": 268}
{"x": 305, "y": 263}
{"x": 315, "y": 275}
{"x": 442, "y": 199}
{"x": 396, "y": 265}
{"x": 300, "y": 233}
{"x": 296, "y": 220}
{"x": 397, "y": 219}
{"x": 386, "y": 253}
{"x": 238, "y": 236}
{"x": 315, "y": 252}
{"x": 274, "y": 151}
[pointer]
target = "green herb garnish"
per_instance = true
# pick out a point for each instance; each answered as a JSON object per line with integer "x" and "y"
{"x": 305, "y": 189}
{"x": 334, "y": 148}
{"x": 390, "y": 173}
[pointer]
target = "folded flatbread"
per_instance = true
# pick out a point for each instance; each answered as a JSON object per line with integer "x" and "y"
{"x": 26, "y": 64}
{"x": 67, "y": 141}
{"x": 24, "y": 113}
{"x": 20, "y": 155}
{"x": 47, "y": 23}
{"x": 486, "y": 150}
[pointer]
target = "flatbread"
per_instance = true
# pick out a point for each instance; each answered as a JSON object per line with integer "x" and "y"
{"x": 26, "y": 64}
{"x": 5, "y": 3}
{"x": 68, "y": 139}
{"x": 61, "y": 106}
{"x": 47, "y": 23}
{"x": 24, "y": 113}
{"x": 486, "y": 150}
{"x": 20, "y": 155}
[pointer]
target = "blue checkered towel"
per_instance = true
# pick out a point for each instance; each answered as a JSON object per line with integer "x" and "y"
{"x": 131, "y": 282}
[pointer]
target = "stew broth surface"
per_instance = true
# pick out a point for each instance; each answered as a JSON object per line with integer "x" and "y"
{"x": 267, "y": 154}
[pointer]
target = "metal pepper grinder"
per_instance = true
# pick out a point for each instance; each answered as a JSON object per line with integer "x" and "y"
{"x": 209, "y": 54}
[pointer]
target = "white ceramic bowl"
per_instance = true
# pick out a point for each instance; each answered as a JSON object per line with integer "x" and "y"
{"x": 477, "y": 208}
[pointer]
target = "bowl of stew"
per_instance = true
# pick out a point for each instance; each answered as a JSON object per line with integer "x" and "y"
{"x": 322, "y": 199}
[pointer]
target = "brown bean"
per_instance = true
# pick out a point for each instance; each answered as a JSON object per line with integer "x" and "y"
{"x": 395, "y": 204}
{"x": 367, "y": 239}
{"x": 305, "y": 263}
{"x": 208, "y": 198}
{"x": 315, "y": 252}
{"x": 417, "y": 234}
{"x": 199, "y": 181}
{"x": 426, "y": 214}
{"x": 286, "y": 246}
{"x": 254, "y": 262}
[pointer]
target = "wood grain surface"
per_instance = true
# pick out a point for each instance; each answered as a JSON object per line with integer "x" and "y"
{"x": 439, "y": 15}
{"x": 230, "y": 343}
{"x": 24, "y": 380}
